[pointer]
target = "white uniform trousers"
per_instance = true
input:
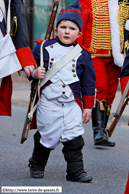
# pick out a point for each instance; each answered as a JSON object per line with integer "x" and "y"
{"x": 58, "y": 121}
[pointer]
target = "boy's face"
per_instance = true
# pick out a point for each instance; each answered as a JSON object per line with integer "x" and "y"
{"x": 67, "y": 32}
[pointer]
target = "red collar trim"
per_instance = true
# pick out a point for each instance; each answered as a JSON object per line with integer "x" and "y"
{"x": 38, "y": 41}
{"x": 73, "y": 42}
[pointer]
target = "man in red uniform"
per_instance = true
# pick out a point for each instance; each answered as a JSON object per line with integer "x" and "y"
{"x": 103, "y": 35}
{"x": 23, "y": 51}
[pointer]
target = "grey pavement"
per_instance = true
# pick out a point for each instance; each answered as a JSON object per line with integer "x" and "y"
{"x": 108, "y": 166}
{"x": 21, "y": 94}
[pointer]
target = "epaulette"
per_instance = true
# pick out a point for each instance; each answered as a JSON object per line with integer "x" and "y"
{"x": 40, "y": 41}
{"x": 88, "y": 50}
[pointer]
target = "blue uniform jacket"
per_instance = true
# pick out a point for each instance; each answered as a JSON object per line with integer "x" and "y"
{"x": 84, "y": 88}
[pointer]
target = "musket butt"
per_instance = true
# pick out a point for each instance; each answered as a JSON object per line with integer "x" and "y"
{"x": 109, "y": 133}
{"x": 23, "y": 140}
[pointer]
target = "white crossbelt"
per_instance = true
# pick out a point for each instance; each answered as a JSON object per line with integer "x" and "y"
{"x": 51, "y": 72}
{"x": 61, "y": 63}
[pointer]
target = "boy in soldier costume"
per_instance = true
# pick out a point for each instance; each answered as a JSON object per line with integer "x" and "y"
{"x": 60, "y": 112}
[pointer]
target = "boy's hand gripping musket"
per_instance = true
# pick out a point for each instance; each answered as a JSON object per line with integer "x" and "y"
{"x": 35, "y": 85}
{"x": 122, "y": 104}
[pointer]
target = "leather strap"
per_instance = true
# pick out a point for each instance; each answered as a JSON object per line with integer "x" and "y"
{"x": 2, "y": 7}
{"x": 61, "y": 63}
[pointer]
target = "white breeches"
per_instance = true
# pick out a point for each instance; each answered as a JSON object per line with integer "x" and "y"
{"x": 58, "y": 121}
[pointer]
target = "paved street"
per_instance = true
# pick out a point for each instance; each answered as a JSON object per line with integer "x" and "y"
{"x": 108, "y": 166}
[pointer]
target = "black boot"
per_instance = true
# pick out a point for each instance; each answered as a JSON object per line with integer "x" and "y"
{"x": 98, "y": 123}
{"x": 74, "y": 158}
{"x": 107, "y": 113}
{"x": 39, "y": 158}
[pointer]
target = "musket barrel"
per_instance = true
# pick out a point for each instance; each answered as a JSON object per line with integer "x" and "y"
{"x": 34, "y": 84}
{"x": 52, "y": 19}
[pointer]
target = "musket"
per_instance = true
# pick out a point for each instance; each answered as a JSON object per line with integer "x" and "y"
{"x": 116, "y": 116}
{"x": 34, "y": 84}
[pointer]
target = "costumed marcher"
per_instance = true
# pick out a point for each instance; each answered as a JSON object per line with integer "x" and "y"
{"x": 59, "y": 115}
{"x": 103, "y": 34}
{"x": 124, "y": 76}
{"x": 23, "y": 51}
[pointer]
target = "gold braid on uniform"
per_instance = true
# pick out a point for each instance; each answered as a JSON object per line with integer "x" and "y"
{"x": 108, "y": 108}
{"x": 101, "y": 37}
{"x": 123, "y": 15}
{"x": 101, "y": 106}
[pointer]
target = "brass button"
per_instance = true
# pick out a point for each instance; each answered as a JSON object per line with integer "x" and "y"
{"x": 52, "y": 59}
{"x": 63, "y": 86}
{"x": 74, "y": 75}
{"x": 73, "y": 70}
{"x": 63, "y": 92}
{"x": 73, "y": 65}
{"x": 73, "y": 60}
{"x": 51, "y": 46}
{"x": 51, "y": 63}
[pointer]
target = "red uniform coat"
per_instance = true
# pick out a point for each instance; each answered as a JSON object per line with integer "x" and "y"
{"x": 100, "y": 34}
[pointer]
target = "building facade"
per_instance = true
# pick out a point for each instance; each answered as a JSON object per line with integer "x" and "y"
{"x": 38, "y": 13}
